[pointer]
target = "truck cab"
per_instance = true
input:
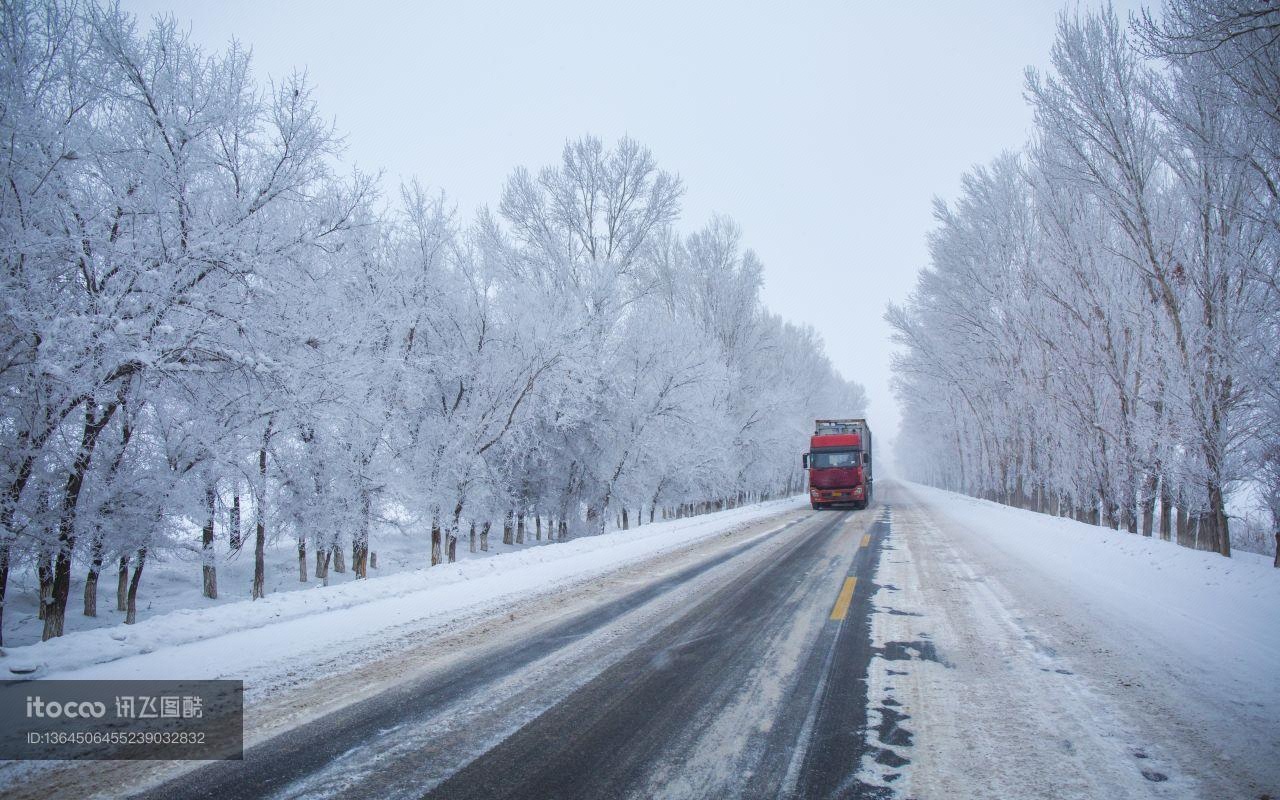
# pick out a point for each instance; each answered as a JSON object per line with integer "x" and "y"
{"x": 839, "y": 463}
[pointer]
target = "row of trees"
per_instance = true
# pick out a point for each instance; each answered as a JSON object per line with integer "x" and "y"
{"x": 1098, "y": 333}
{"x": 212, "y": 339}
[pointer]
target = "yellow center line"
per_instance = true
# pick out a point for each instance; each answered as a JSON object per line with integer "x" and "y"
{"x": 846, "y": 597}
{"x": 866, "y": 540}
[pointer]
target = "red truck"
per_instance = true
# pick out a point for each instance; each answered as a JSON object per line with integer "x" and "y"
{"x": 839, "y": 463}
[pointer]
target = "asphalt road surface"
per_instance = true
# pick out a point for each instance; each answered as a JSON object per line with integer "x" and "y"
{"x": 742, "y": 674}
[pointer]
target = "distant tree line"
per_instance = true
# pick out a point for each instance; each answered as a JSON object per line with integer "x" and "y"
{"x": 213, "y": 340}
{"x": 1098, "y": 332}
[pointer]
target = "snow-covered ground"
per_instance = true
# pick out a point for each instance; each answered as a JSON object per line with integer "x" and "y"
{"x": 1021, "y": 655}
{"x": 1017, "y": 655}
{"x": 288, "y": 630}
{"x": 172, "y": 581}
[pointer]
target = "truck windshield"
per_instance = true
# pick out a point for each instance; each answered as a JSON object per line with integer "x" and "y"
{"x": 842, "y": 459}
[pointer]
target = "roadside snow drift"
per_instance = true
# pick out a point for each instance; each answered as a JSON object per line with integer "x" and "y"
{"x": 245, "y": 639}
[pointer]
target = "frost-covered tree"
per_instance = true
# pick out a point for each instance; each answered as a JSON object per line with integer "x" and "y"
{"x": 210, "y": 340}
{"x": 1094, "y": 330}
{"x": 152, "y": 188}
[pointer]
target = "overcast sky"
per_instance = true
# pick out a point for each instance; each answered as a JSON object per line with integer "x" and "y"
{"x": 825, "y": 128}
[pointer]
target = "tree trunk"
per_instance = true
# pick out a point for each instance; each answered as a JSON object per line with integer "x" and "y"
{"x": 131, "y": 615}
{"x": 451, "y": 541}
{"x": 91, "y": 593}
{"x": 359, "y": 560}
{"x": 1206, "y": 532}
{"x": 210, "y": 569}
{"x": 1184, "y": 526}
{"x": 1129, "y": 499}
{"x": 520, "y": 528}
{"x": 484, "y": 537}
{"x": 4, "y": 583}
{"x": 537, "y": 527}
{"x": 508, "y": 528}
{"x": 8, "y": 506}
{"x": 1202, "y": 533}
{"x": 91, "y": 580}
{"x": 1221, "y": 524}
{"x": 358, "y": 566}
{"x": 322, "y": 564}
{"x": 1149, "y": 504}
{"x": 94, "y": 423}
{"x": 235, "y": 540}
{"x": 473, "y": 537}
{"x": 360, "y": 542}
{"x": 122, "y": 585}
{"x": 1166, "y": 508}
{"x": 44, "y": 574}
{"x": 437, "y": 546}
{"x": 339, "y": 560}
{"x": 626, "y": 524}
{"x": 96, "y": 543}
{"x": 260, "y": 535}
{"x": 259, "y": 557}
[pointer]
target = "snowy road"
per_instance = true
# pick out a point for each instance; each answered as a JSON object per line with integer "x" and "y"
{"x": 1025, "y": 656}
{"x": 932, "y": 646}
{"x": 737, "y": 675}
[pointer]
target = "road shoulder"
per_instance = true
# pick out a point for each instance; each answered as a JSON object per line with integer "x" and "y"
{"x": 984, "y": 688}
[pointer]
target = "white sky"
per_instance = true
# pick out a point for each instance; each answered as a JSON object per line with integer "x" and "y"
{"x": 823, "y": 128}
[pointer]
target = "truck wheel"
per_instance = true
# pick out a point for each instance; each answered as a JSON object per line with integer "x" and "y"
{"x": 817, "y": 506}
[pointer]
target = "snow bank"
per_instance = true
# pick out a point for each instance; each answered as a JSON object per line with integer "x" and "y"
{"x": 1111, "y": 658}
{"x": 1144, "y": 569}
{"x": 1210, "y": 619}
{"x": 236, "y": 639}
